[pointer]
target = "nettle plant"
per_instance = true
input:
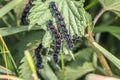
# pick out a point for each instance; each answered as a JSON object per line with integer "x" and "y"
{"x": 68, "y": 17}
{"x": 63, "y": 26}
{"x": 75, "y": 19}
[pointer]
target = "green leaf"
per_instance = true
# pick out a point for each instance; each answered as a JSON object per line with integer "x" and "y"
{"x": 108, "y": 55}
{"x": 30, "y": 61}
{"x": 81, "y": 57}
{"x": 40, "y": 13}
{"x": 117, "y": 35}
{"x": 29, "y": 42}
{"x": 80, "y": 66}
{"x": 67, "y": 51}
{"x": 19, "y": 9}
{"x": 114, "y": 30}
{"x": 111, "y": 5}
{"x": 75, "y": 17}
{"x": 14, "y": 30}
{"x": 25, "y": 71}
{"x": 91, "y": 4}
{"x": 74, "y": 73}
{"x": 9, "y": 7}
{"x": 47, "y": 73}
{"x": 47, "y": 39}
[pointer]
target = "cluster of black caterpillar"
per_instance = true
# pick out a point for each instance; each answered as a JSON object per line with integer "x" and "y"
{"x": 25, "y": 12}
{"x": 61, "y": 24}
{"x": 57, "y": 37}
{"x": 56, "y": 34}
{"x": 38, "y": 57}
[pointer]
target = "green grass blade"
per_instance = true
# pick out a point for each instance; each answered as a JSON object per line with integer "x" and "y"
{"x": 13, "y": 30}
{"x": 9, "y": 7}
{"x": 47, "y": 73}
{"x": 63, "y": 66}
{"x": 91, "y": 4}
{"x": 114, "y": 30}
{"x": 5, "y": 70}
{"x": 108, "y": 55}
{"x": 8, "y": 59}
{"x": 31, "y": 64}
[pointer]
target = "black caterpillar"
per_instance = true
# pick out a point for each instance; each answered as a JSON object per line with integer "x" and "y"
{"x": 38, "y": 57}
{"x": 57, "y": 36}
{"x": 25, "y": 13}
{"x": 61, "y": 25}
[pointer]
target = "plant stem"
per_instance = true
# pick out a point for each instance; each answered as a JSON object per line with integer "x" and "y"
{"x": 31, "y": 64}
{"x": 7, "y": 77}
{"x": 63, "y": 68}
{"x": 100, "y": 56}
{"x": 99, "y": 15}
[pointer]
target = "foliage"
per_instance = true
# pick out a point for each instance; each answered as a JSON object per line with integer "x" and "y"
{"x": 74, "y": 64}
{"x": 111, "y": 5}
